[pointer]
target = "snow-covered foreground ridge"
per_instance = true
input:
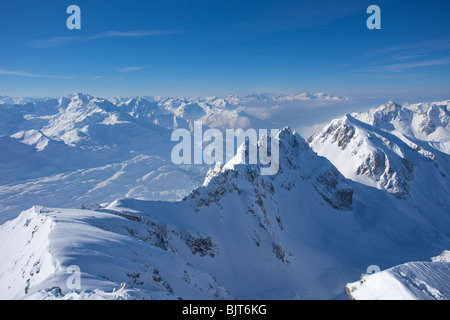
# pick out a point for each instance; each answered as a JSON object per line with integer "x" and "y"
{"x": 409, "y": 281}
{"x": 300, "y": 234}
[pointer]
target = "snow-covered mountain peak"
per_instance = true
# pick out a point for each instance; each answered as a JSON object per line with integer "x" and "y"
{"x": 85, "y": 98}
{"x": 299, "y": 168}
{"x": 377, "y": 160}
{"x": 381, "y": 148}
{"x": 422, "y": 123}
{"x": 289, "y": 143}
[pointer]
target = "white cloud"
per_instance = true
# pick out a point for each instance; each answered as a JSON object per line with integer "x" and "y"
{"x": 399, "y": 67}
{"x": 415, "y": 47}
{"x": 131, "y": 69}
{"x": 31, "y": 75}
{"x": 58, "y": 41}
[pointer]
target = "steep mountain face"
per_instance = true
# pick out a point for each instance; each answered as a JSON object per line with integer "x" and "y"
{"x": 385, "y": 151}
{"x": 301, "y": 233}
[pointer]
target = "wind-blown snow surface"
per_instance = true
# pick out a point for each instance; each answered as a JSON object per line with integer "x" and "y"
{"x": 141, "y": 177}
{"x": 300, "y": 234}
{"x": 409, "y": 281}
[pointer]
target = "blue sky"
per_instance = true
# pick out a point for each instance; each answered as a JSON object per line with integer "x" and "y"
{"x": 214, "y": 47}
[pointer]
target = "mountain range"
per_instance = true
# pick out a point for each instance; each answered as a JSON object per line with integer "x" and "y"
{"x": 370, "y": 189}
{"x": 80, "y": 146}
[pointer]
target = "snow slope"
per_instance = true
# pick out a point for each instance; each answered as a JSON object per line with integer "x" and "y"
{"x": 52, "y": 241}
{"x": 141, "y": 177}
{"x": 300, "y": 234}
{"x": 409, "y": 281}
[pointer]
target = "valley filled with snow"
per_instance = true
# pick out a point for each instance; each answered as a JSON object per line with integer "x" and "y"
{"x": 89, "y": 182}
